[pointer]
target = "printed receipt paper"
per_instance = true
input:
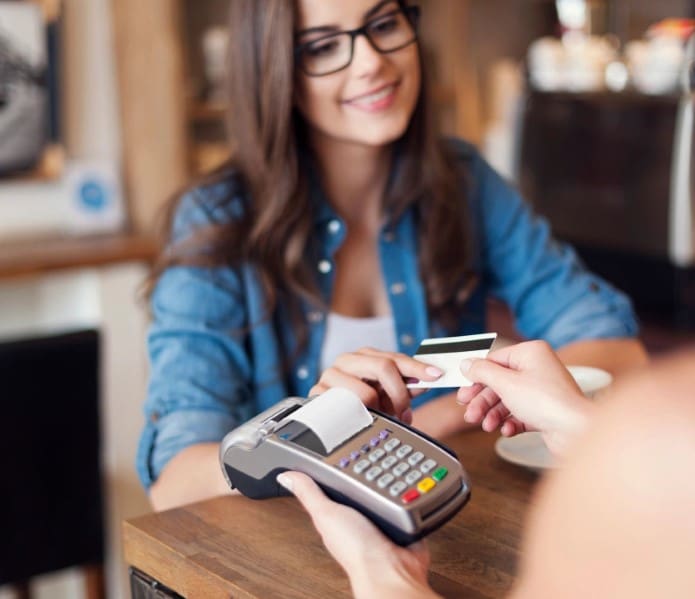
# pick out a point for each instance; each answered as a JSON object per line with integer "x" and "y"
{"x": 446, "y": 354}
{"x": 334, "y": 416}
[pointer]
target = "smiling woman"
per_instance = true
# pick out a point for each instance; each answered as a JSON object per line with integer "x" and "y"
{"x": 342, "y": 206}
{"x": 357, "y": 106}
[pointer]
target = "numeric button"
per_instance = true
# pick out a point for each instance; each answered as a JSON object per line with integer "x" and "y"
{"x": 361, "y": 466}
{"x": 416, "y": 458}
{"x": 377, "y": 454}
{"x": 388, "y": 462}
{"x": 412, "y": 477}
{"x": 385, "y": 480}
{"x": 397, "y": 488}
{"x": 404, "y": 451}
{"x": 391, "y": 444}
{"x": 427, "y": 465}
{"x": 372, "y": 473}
{"x": 402, "y": 468}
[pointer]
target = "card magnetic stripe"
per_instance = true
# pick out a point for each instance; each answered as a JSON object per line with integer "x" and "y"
{"x": 454, "y": 347}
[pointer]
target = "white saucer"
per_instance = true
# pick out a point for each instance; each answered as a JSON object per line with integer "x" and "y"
{"x": 526, "y": 449}
{"x": 590, "y": 380}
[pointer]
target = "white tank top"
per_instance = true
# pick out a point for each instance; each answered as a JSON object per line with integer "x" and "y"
{"x": 348, "y": 334}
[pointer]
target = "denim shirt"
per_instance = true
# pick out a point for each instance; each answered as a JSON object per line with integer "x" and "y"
{"x": 216, "y": 360}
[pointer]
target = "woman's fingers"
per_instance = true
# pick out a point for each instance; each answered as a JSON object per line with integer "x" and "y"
{"x": 378, "y": 378}
{"x": 335, "y": 377}
{"x": 407, "y": 366}
{"x": 387, "y": 370}
{"x": 381, "y": 370}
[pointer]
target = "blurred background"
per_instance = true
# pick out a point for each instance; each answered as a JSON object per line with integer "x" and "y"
{"x": 108, "y": 107}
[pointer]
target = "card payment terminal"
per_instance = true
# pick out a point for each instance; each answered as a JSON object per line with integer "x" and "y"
{"x": 407, "y": 483}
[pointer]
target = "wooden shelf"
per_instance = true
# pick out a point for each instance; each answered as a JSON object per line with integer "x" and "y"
{"x": 204, "y": 112}
{"x": 207, "y": 156}
{"x": 25, "y": 258}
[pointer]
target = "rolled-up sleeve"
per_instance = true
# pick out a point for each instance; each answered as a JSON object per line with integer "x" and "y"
{"x": 199, "y": 370}
{"x": 547, "y": 288}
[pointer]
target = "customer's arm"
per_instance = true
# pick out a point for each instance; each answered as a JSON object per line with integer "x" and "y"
{"x": 613, "y": 355}
{"x": 198, "y": 389}
{"x": 200, "y": 371}
{"x": 191, "y": 475}
{"x": 617, "y": 519}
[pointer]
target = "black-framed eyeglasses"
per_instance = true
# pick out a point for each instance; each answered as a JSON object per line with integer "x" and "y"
{"x": 388, "y": 32}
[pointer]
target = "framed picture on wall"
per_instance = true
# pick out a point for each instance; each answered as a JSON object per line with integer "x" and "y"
{"x": 29, "y": 121}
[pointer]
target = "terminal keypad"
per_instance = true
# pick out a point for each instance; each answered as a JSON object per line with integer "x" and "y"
{"x": 394, "y": 467}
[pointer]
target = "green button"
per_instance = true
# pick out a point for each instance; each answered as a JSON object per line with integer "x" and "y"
{"x": 439, "y": 473}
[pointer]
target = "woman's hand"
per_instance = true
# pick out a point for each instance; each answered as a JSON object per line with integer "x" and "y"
{"x": 521, "y": 388}
{"x": 375, "y": 566}
{"x": 379, "y": 379}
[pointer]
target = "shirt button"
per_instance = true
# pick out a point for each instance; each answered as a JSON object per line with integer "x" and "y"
{"x": 325, "y": 267}
{"x": 389, "y": 236}
{"x": 407, "y": 340}
{"x": 398, "y": 288}
{"x": 333, "y": 226}
{"x": 315, "y": 316}
{"x": 302, "y": 373}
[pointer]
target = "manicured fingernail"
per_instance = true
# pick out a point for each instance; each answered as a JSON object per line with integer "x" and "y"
{"x": 407, "y": 416}
{"x": 434, "y": 371}
{"x": 285, "y": 481}
{"x": 465, "y": 365}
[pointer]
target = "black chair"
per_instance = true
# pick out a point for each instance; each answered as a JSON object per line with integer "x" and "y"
{"x": 51, "y": 505}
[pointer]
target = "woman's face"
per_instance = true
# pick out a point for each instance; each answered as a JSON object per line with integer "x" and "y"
{"x": 369, "y": 102}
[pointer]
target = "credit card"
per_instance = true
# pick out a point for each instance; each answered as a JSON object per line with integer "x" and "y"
{"x": 446, "y": 354}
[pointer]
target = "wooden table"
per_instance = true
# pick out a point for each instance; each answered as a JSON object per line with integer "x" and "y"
{"x": 237, "y": 547}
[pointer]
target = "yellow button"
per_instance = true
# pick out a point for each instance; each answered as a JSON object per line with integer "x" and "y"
{"x": 425, "y": 485}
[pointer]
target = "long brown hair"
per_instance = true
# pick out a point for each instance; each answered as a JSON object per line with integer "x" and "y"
{"x": 269, "y": 170}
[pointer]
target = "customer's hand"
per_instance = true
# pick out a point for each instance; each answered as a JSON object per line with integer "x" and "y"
{"x": 375, "y": 566}
{"x": 377, "y": 378}
{"x": 521, "y": 388}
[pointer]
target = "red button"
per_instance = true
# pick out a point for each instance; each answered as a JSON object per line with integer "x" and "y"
{"x": 410, "y": 496}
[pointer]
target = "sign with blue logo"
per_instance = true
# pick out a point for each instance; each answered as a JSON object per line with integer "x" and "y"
{"x": 93, "y": 196}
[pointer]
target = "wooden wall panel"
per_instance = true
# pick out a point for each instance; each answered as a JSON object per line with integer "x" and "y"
{"x": 152, "y": 94}
{"x": 445, "y": 31}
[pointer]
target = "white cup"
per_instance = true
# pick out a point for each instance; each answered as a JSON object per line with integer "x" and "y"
{"x": 590, "y": 380}
{"x": 545, "y": 60}
{"x": 655, "y": 65}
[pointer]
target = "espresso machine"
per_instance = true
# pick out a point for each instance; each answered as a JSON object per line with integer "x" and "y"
{"x": 613, "y": 173}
